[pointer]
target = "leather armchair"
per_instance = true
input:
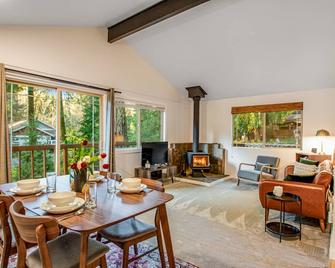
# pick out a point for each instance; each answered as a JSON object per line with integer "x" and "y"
{"x": 313, "y": 195}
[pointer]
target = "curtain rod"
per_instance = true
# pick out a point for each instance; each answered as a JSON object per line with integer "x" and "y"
{"x": 62, "y": 80}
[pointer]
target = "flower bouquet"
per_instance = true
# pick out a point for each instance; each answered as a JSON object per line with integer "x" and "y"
{"x": 82, "y": 164}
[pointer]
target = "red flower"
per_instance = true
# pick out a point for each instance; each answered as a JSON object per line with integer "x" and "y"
{"x": 105, "y": 166}
{"x": 84, "y": 142}
{"x": 103, "y": 155}
{"x": 74, "y": 166}
{"x": 83, "y": 165}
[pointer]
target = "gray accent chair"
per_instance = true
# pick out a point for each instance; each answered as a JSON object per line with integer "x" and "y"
{"x": 265, "y": 166}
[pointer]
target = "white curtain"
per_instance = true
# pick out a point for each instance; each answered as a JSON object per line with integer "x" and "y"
{"x": 110, "y": 148}
{"x": 4, "y": 134}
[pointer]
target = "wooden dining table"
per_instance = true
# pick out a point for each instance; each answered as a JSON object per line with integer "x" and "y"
{"x": 111, "y": 209}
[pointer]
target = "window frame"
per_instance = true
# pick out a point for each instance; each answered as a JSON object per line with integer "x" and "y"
{"x": 138, "y": 106}
{"x": 264, "y": 109}
{"x": 76, "y": 89}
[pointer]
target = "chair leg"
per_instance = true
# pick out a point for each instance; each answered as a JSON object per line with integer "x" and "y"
{"x": 267, "y": 214}
{"x": 161, "y": 247}
{"x": 4, "y": 258}
{"x": 238, "y": 181}
{"x": 103, "y": 262}
{"x": 98, "y": 237}
{"x": 125, "y": 256}
{"x": 322, "y": 225}
{"x": 136, "y": 249}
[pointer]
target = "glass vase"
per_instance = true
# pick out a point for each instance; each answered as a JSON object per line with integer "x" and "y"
{"x": 78, "y": 180}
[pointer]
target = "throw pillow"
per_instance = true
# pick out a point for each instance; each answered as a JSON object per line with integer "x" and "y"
{"x": 309, "y": 161}
{"x": 299, "y": 178}
{"x": 303, "y": 169}
{"x": 258, "y": 166}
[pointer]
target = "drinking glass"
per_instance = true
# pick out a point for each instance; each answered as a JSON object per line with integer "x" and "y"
{"x": 92, "y": 196}
{"x": 111, "y": 182}
{"x": 51, "y": 182}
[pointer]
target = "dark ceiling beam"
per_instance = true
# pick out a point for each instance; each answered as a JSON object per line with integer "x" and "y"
{"x": 150, "y": 16}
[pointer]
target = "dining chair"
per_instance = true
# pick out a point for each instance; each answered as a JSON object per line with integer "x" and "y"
{"x": 132, "y": 231}
{"x": 54, "y": 250}
{"x": 7, "y": 240}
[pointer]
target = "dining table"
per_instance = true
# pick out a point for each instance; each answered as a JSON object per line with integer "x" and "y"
{"x": 111, "y": 209}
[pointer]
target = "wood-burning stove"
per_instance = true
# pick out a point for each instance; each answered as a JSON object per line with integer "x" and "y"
{"x": 198, "y": 161}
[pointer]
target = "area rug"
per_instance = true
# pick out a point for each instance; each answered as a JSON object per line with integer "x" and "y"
{"x": 223, "y": 227}
{"x": 114, "y": 258}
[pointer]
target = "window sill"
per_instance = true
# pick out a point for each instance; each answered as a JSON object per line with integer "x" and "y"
{"x": 127, "y": 150}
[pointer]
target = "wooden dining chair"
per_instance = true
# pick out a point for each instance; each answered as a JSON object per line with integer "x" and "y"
{"x": 7, "y": 240}
{"x": 132, "y": 231}
{"x": 53, "y": 250}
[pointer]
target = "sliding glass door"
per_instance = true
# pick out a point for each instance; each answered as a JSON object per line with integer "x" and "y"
{"x": 46, "y": 127}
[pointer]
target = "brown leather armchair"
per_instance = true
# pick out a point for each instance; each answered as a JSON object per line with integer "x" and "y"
{"x": 313, "y": 195}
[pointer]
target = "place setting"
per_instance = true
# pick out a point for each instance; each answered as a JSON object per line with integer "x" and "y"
{"x": 28, "y": 187}
{"x": 131, "y": 186}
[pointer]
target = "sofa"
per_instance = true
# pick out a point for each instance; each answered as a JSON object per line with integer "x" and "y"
{"x": 314, "y": 195}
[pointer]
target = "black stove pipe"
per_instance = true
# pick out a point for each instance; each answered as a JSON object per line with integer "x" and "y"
{"x": 196, "y": 124}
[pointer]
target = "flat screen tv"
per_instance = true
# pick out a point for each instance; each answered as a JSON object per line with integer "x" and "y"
{"x": 154, "y": 152}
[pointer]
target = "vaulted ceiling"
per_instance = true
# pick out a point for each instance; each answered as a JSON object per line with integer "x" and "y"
{"x": 238, "y": 48}
{"x": 230, "y": 47}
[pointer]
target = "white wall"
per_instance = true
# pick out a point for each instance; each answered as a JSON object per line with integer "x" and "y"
{"x": 318, "y": 113}
{"x": 83, "y": 54}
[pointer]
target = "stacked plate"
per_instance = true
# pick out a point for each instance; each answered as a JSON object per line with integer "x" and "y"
{"x": 62, "y": 202}
{"x": 27, "y": 187}
{"x": 131, "y": 186}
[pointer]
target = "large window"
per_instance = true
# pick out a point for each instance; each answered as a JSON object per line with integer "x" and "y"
{"x": 42, "y": 119}
{"x": 137, "y": 123}
{"x": 278, "y": 125}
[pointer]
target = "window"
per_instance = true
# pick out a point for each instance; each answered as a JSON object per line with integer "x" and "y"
{"x": 137, "y": 123}
{"x": 40, "y": 118}
{"x": 277, "y": 125}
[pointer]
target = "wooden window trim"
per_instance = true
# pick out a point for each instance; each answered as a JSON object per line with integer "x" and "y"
{"x": 279, "y": 107}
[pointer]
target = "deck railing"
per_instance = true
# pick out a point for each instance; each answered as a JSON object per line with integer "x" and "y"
{"x": 64, "y": 151}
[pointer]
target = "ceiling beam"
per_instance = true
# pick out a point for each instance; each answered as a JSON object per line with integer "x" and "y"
{"x": 150, "y": 16}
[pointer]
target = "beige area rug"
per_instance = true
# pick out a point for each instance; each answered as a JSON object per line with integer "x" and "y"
{"x": 223, "y": 226}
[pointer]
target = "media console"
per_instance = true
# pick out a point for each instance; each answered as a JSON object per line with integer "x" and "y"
{"x": 156, "y": 172}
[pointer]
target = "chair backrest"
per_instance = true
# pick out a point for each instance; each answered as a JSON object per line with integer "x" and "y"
{"x": 5, "y": 202}
{"x": 25, "y": 226}
{"x": 270, "y": 160}
{"x": 153, "y": 184}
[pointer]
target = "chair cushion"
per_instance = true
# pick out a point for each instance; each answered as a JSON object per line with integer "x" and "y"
{"x": 249, "y": 174}
{"x": 309, "y": 161}
{"x": 64, "y": 252}
{"x": 304, "y": 169}
{"x": 127, "y": 230}
{"x": 258, "y": 166}
{"x": 300, "y": 178}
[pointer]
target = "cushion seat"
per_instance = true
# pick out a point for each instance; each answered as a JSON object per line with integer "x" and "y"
{"x": 128, "y": 229}
{"x": 65, "y": 252}
{"x": 249, "y": 174}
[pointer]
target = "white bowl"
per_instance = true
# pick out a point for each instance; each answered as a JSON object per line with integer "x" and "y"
{"x": 131, "y": 182}
{"x": 28, "y": 184}
{"x": 61, "y": 199}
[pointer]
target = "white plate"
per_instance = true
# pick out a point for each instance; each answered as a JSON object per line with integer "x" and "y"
{"x": 51, "y": 208}
{"x": 131, "y": 190}
{"x": 19, "y": 191}
{"x": 96, "y": 179}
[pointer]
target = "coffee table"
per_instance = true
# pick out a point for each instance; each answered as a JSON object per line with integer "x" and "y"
{"x": 282, "y": 228}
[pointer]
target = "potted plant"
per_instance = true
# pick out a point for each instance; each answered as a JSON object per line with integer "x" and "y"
{"x": 82, "y": 164}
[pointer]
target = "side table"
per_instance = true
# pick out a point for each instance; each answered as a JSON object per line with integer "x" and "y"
{"x": 282, "y": 228}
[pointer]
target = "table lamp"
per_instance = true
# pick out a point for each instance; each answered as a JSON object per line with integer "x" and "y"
{"x": 322, "y": 133}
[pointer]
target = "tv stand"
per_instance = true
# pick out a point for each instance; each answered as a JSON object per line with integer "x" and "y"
{"x": 150, "y": 173}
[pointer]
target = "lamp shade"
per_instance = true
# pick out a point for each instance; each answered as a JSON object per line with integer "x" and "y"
{"x": 322, "y": 132}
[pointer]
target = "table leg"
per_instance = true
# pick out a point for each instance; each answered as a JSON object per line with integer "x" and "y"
{"x": 300, "y": 218}
{"x": 83, "y": 249}
{"x": 166, "y": 234}
{"x": 281, "y": 220}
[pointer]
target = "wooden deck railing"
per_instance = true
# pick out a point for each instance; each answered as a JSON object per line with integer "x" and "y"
{"x": 64, "y": 148}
